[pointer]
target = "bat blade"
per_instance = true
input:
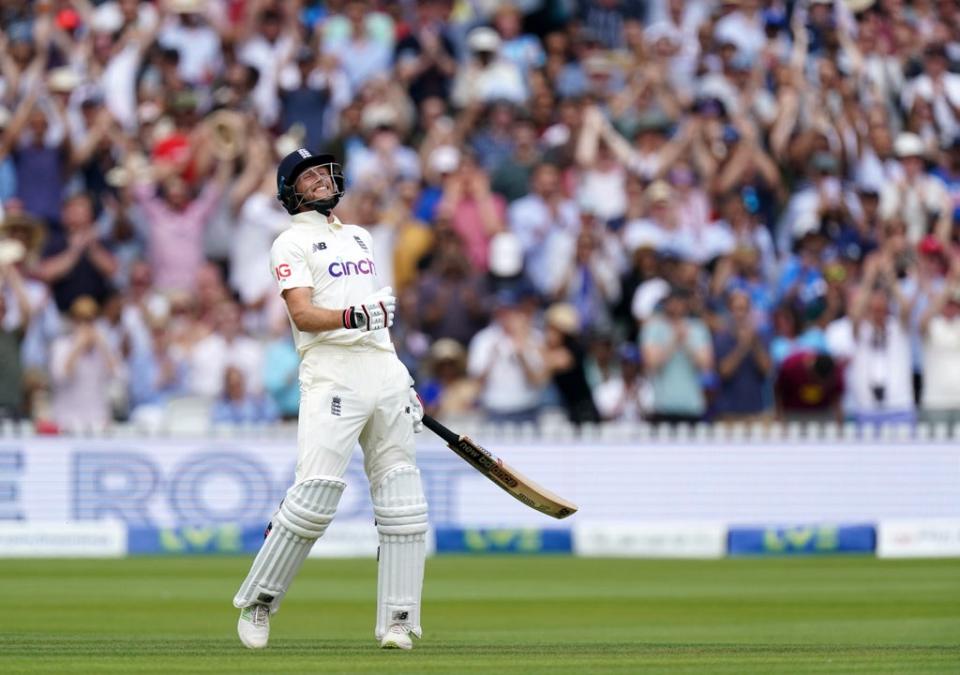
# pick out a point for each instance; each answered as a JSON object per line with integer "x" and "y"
{"x": 502, "y": 474}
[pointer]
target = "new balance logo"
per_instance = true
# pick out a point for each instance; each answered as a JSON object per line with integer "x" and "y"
{"x": 335, "y": 406}
{"x": 320, "y": 246}
{"x": 400, "y": 615}
{"x": 360, "y": 243}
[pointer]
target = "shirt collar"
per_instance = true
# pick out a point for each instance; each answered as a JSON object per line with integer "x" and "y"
{"x": 314, "y": 219}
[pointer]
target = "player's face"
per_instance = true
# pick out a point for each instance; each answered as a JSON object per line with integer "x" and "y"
{"x": 315, "y": 183}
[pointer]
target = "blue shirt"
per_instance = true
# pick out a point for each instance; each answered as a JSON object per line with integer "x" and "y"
{"x": 809, "y": 279}
{"x": 8, "y": 179}
{"x": 677, "y": 387}
{"x": 811, "y": 340}
{"x": 741, "y": 393}
{"x": 251, "y": 410}
{"x": 281, "y": 365}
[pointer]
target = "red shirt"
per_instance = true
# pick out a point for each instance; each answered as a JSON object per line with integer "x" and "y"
{"x": 799, "y": 387}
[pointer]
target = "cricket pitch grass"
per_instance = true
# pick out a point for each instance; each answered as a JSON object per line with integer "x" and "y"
{"x": 492, "y": 615}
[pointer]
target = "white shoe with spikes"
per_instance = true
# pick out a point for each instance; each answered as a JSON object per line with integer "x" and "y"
{"x": 396, "y": 637}
{"x": 254, "y": 626}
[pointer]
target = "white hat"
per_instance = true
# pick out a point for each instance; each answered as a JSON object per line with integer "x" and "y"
{"x": 661, "y": 30}
{"x": 909, "y": 145}
{"x": 444, "y": 159}
{"x": 807, "y": 222}
{"x": 107, "y": 18}
{"x": 378, "y": 115}
{"x": 658, "y": 191}
{"x": 564, "y": 317}
{"x": 647, "y": 296}
{"x": 506, "y": 255}
{"x": 63, "y": 80}
{"x": 642, "y": 234}
{"x": 11, "y": 251}
{"x": 483, "y": 39}
{"x": 118, "y": 177}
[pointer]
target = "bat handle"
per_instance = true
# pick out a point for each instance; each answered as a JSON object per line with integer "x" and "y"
{"x": 440, "y": 430}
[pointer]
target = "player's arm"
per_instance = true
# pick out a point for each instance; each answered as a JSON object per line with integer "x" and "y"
{"x": 375, "y": 312}
{"x": 308, "y": 318}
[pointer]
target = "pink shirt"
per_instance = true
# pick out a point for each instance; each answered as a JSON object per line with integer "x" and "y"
{"x": 81, "y": 400}
{"x": 176, "y": 237}
{"x": 468, "y": 224}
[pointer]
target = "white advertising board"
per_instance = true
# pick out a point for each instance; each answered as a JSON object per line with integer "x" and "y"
{"x": 932, "y": 538}
{"x": 160, "y": 483}
{"x": 100, "y": 539}
{"x": 664, "y": 539}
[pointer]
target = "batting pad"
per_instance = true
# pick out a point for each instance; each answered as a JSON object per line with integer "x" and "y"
{"x": 401, "y": 512}
{"x": 302, "y": 518}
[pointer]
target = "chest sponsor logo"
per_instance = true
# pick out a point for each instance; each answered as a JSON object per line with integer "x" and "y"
{"x": 320, "y": 246}
{"x": 349, "y": 268}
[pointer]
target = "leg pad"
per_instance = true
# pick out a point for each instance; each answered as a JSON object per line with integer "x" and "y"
{"x": 302, "y": 518}
{"x": 401, "y": 512}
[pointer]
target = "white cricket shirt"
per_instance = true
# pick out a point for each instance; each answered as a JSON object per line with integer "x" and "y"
{"x": 336, "y": 261}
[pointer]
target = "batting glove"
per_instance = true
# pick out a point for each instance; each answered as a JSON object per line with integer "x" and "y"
{"x": 376, "y": 311}
{"x": 415, "y": 410}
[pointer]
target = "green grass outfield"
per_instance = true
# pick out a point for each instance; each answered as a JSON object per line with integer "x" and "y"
{"x": 493, "y": 615}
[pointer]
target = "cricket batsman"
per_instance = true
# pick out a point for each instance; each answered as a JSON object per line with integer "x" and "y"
{"x": 353, "y": 387}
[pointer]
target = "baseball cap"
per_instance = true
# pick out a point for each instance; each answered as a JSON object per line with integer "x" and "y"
{"x": 506, "y": 298}
{"x": 930, "y": 245}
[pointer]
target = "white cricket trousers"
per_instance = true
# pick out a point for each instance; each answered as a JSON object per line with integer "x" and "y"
{"x": 350, "y": 394}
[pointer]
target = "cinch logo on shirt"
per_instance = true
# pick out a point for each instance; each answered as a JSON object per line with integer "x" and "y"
{"x": 349, "y": 268}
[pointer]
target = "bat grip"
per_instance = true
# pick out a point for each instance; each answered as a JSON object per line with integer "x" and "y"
{"x": 433, "y": 425}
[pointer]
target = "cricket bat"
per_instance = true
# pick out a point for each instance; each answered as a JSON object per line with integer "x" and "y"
{"x": 501, "y": 474}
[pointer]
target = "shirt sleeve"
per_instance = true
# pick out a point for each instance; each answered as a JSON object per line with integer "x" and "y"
{"x": 478, "y": 354}
{"x": 288, "y": 264}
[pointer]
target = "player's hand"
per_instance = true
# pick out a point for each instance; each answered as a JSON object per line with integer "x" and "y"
{"x": 375, "y": 312}
{"x": 415, "y": 410}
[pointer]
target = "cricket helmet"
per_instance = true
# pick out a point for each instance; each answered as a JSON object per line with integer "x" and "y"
{"x": 296, "y": 163}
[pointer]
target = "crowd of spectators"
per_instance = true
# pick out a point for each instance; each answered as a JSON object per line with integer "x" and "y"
{"x": 670, "y": 210}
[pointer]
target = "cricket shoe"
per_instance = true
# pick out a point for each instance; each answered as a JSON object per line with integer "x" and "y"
{"x": 396, "y": 637}
{"x": 254, "y": 626}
